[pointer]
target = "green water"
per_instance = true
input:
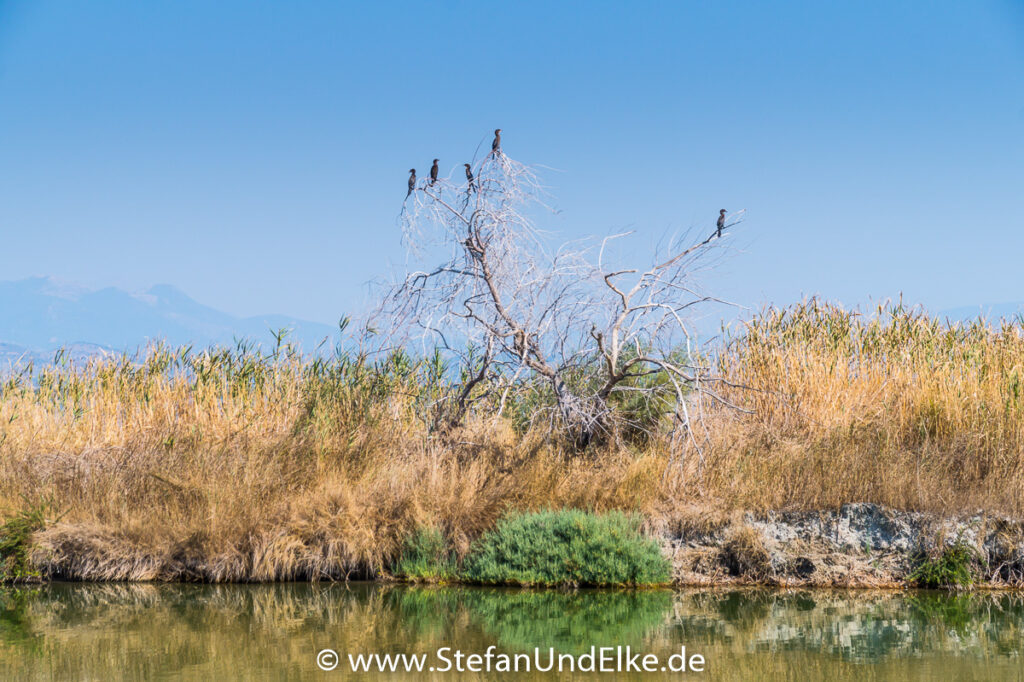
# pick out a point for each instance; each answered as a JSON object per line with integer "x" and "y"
{"x": 273, "y": 632}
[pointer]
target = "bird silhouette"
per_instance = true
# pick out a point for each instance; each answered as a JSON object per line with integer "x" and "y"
{"x": 469, "y": 176}
{"x": 433, "y": 173}
{"x": 496, "y": 145}
{"x": 721, "y": 221}
{"x": 412, "y": 182}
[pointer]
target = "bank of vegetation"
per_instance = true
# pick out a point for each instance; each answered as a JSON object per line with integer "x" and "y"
{"x": 237, "y": 464}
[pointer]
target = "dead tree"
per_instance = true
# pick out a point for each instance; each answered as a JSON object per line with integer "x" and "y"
{"x": 515, "y": 309}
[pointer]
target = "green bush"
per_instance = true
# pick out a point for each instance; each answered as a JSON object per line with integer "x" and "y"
{"x": 953, "y": 569}
{"x": 15, "y": 545}
{"x": 568, "y": 547}
{"x": 425, "y": 556}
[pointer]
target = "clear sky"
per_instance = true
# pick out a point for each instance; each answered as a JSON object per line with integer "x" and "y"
{"x": 254, "y": 154}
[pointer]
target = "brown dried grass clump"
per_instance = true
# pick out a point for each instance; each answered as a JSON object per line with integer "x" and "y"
{"x": 744, "y": 554}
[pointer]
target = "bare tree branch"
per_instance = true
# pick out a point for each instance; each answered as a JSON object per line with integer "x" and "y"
{"x": 598, "y": 336}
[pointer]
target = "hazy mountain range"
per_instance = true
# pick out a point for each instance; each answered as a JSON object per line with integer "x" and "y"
{"x": 40, "y": 314}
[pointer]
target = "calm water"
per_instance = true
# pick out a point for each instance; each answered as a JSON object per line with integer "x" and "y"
{"x": 273, "y": 632}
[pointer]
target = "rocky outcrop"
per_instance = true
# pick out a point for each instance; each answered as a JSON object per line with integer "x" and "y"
{"x": 859, "y": 545}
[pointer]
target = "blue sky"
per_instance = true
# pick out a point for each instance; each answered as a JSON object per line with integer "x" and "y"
{"x": 254, "y": 154}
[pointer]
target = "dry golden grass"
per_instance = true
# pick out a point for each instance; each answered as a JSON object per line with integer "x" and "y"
{"x": 237, "y": 466}
{"x": 898, "y": 409}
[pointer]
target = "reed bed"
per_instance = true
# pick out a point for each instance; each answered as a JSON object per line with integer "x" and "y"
{"x": 895, "y": 407}
{"x": 235, "y": 464}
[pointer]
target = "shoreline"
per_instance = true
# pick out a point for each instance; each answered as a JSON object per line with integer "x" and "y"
{"x": 859, "y": 546}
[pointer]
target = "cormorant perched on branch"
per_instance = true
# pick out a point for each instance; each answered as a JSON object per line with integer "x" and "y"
{"x": 721, "y": 221}
{"x": 469, "y": 176}
{"x": 412, "y": 182}
{"x": 496, "y": 145}
{"x": 433, "y": 173}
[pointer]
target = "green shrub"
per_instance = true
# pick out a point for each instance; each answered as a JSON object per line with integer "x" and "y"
{"x": 15, "y": 545}
{"x": 425, "y": 556}
{"x": 953, "y": 569}
{"x": 568, "y": 547}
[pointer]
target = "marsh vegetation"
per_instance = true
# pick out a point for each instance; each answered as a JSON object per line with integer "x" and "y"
{"x": 238, "y": 464}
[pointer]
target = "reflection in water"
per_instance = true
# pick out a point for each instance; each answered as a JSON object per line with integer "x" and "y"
{"x": 519, "y": 620}
{"x": 141, "y": 631}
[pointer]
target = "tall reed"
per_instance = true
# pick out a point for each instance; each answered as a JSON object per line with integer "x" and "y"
{"x": 894, "y": 407}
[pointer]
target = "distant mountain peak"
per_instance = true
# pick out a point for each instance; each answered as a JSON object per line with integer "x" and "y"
{"x": 168, "y": 291}
{"x": 41, "y": 313}
{"x": 52, "y": 286}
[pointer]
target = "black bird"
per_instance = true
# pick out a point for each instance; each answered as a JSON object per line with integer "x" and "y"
{"x": 721, "y": 221}
{"x": 412, "y": 182}
{"x": 469, "y": 176}
{"x": 496, "y": 145}
{"x": 433, "y": 173}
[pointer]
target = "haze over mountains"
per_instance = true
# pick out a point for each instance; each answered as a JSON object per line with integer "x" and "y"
{"x": 40, "y": 314}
